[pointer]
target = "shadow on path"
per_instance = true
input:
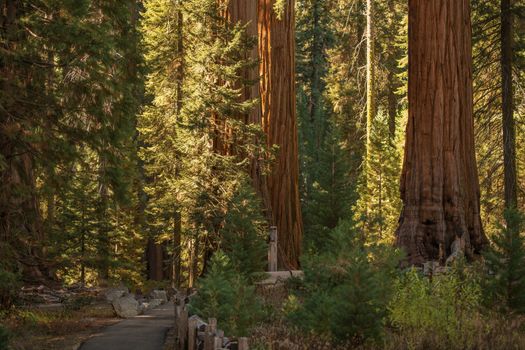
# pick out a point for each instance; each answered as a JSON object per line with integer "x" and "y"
{"x": 144, "y": 332}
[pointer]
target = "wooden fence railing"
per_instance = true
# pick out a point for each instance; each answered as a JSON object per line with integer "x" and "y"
{"x": 192, "y": 333}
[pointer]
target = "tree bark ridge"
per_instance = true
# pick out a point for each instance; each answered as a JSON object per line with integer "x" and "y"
{"x": 439, "y": 182}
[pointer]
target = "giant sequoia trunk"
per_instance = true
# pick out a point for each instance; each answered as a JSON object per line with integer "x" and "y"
{"x": 245, "y": 12}
{"x": 439, "y": 183}
{"x": 277, "y": 90}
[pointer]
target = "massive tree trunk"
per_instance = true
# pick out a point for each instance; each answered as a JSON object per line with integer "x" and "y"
{"x": 245, "y": 12}
{"x": 439, "y": 183}
{"x": 277, "y": 89}
{"x": 509, "y": 131}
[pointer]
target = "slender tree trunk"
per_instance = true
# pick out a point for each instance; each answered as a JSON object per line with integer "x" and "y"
{"x": 507, "y": 96}
{"x": 370, "y": 111}
{"x": 279, "y": 122}
{"x": 177, "y": 218}
{"x": 194, "y": 261}
{"x": 103, "y": 241}
{"x": 315, "y": 78}
{"x": 83, "y": 246}
{"x": 439, "y": 182}
{"x": 154, "y": 256}
{"x": 370, "y": 73}
{"x": 318, "y": 62}
{"x": 392, "y": 107}
{"x": 176, "y": 268}
{"x": 392, "y": 80}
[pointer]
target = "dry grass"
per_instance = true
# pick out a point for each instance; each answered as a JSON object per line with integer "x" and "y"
{"x": 54, "y": 330}
{"x": 489, "y": 332}
{"x": 494, "y": 333}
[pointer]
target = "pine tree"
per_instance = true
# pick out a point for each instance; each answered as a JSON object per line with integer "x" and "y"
{"x": 505, "y": 261}
{"x": 72, "y": 91}
{"x": 326, "y": 191}
{"x": 226, "y": 295}
{"x": 345, "y": 288}
{"x": 379, "y": 202}
{"x": 507, "y": 98}
{"x": 243, "y": 236}
{"x": 196, "y": 156}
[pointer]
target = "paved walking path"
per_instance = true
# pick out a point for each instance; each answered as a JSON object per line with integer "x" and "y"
{"x": 144, "y": 332}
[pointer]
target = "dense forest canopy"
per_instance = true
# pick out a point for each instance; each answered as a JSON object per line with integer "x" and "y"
{"x": 139, "y": 139}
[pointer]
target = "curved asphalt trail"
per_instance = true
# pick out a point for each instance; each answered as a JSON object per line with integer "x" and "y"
{"x": 144, "y": 332}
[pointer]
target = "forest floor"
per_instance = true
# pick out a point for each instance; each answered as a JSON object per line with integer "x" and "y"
{"x": 90, "y": 329}
{"x": 36, "y": 330}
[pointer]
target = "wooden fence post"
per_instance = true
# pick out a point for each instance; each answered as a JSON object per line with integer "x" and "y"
{"x": 177, "y": 327}
{"x": 217, "y": 343}
{"x": 243, "y": 344}
{"x": 212, "y": 322}
{"x": 272, "y": 250}
{"x": 208, "y": 338}
{"x": 182, "y": 331}
{"x": 192, "y": 334}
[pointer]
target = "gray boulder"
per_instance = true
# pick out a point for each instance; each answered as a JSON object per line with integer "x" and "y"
{"x": 112, "y": 294}
{"x": 151, "y": 304}
{"x": 126, "y": 306}
{"x": 142, "y": 308}
{"x": 456, "y": 250}
{"x": 160, "y": 294}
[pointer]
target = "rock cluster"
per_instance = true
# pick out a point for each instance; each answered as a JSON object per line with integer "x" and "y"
{"x": 124, "y": 303}
{"x": 127, "y": 304}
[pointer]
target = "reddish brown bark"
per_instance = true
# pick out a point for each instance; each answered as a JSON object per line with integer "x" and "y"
{"x": 439, "y": 182}
{"x": 155, "y": 260}
{"x": 278, "y": 119}
{"x": 245, "y": 12}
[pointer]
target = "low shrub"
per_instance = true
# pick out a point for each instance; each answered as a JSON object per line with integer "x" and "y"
{"x": 244, "y": 234}
{"x": 9, "y": 286}
{"x": 78, "y": 302}
{"x": 4, "y": 338}
{"x": 505, "y": 259}
{"x": 346, "y": 289}
{"x": 446, "y": 307}
{"x": 225, "y": 294}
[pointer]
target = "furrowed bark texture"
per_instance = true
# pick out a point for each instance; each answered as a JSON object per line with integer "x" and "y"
{"x": 245, "y": 12}
{"x": 277, "y": 90}
{"x": 439, "y": 182}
